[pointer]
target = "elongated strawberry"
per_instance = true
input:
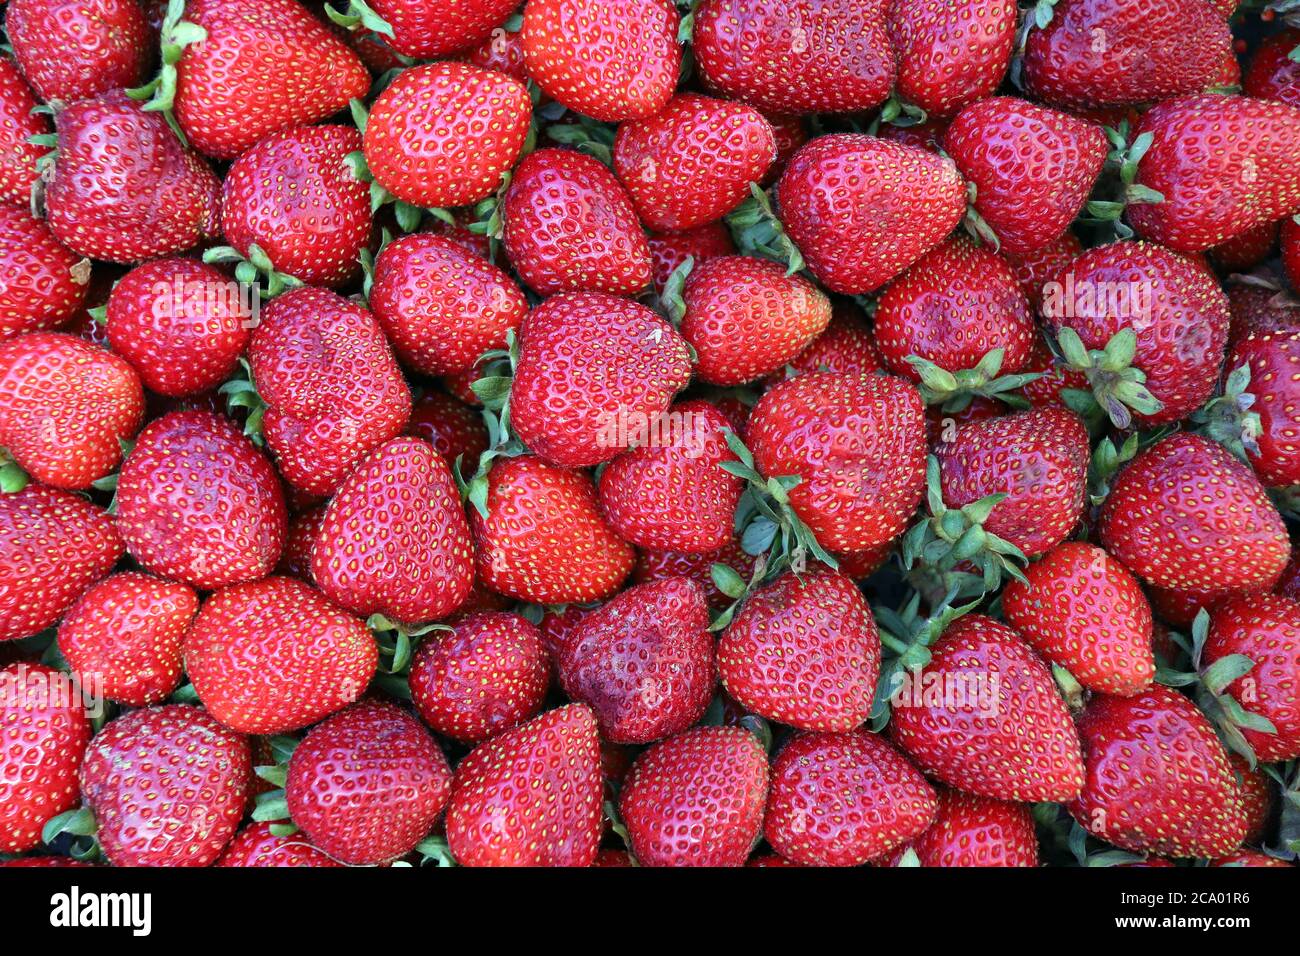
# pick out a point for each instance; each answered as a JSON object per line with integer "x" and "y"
{"x": 668, "y": 250}
{"x": 846, "y": 345}
{"x": 455, "y": 430}
{"x": 18, "y": 156}
{"x": 975, "y": 831}
{"x": 843, "y": 799}
{"x": 43, "y": 283}
{"x": 256, "y": 845}
{"x": 531, "y": 796}
{"x": 1273, "y": 74}
{"x": 73, "y": 49}
{"x": 198, "y": 503}
{"x": 696, "y": 799}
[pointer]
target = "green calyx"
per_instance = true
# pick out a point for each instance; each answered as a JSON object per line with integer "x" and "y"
{"x": 12, "y": 476}
{"x": 1122, "y": 188}
{"x": 587, "y": 136}
{"x": 975, "y": 225}
{"x": 671, "y": 303}
{"x": 396, "y": 642}
{"x": 493, "y": 390}
{"x": 253, "y": 269}
{"x": 1105, "y": 464}
{"x": 408, "y": 216}
{"x": 272, "y": 806}
{"x": 1229, "y": 419}
{"x": 359, "y": 16}
{"x": 160, "y": 92}
{"x": 81, "y": 826}
{"x": 899, "y": 112}
{"x": 954, "y": 390}
{"x": 1117, "y": 385}
{"x": 758, "y": 232}
{"x": 242, "y": 397}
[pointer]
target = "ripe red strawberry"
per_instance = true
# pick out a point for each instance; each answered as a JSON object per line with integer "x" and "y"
{"x": 1251, "y": 858}
{"x": 453, "y": 429}
{"x": 643, "y": 662}
{"x": 367, "y": 784}
{"x": 655, "y": 565}
{"x": 843, "y": 799}
{"x": 123, "y": 188}
{"x": 803, "y": 651}
{"x": 275, "y": 655}
{"x": 18, "y": 156}
{"x": 543, "y": 539}
{"x": 1243, "y": 252}
{"x": 1274, "y": 453}
{"x": 1290, "y": 238}
{"x": 692, "y": 162}
{"x": 68, "y": 407}
{"x": 1273, "y": 75}
{"x": 1035, "y": 269}
{"x": 805, "y": 56}
{"x": 862, "y": 209}
{"x": 198, "y": 503}
{"x": 180, "y": 323}
{"x": 1258, "y": 797}
{"x": 443, "y": 134}
{"x": 256, "y": 845}
{"x": 1260, "y": 309}
{"x": 441, "y": 306}
{"x": 671, "y": 493}
{"x": 609, "y": 62}
{"x": 950, "y": 55}
{"x": 1186, "y": 514}
{"x": 294, "y": 197}
{"x": 976, "y": 831}
{"x": 53, "y": 545}
{"x": 1222, "y": 164}
{"x": 167, "y": 786}
{"x": 424, "y": 29}
{"x": 503, "y": 49}
{"x": 295, "y": 559}
{"x": 957, "y": 303}
{"x": 746, "y": 318}
{"x": 1158, "y": 780}
{"x": 846, "y": 345}
{"x": 73, "y": 49}
{"x": 984, "y": 716}
{"x": 696, "y": 799}
{"x": 1037, "y": 458}
{"x": 43, "y": 284}
{"x": 43, "y": 736}
{"x": 857, "y": 442}
{"x": 594, "y": 375}
{"x": 1082, "y": 610}
{"x": 1114, "y": 53}
{"x": 531, "y": 796}
{"x": 332, "y": 388}
{"x": 668, "y": 250}
{"x": 1032, "y": 167}
{"x": 557, "y": 194}
{"x": 274, "y": 53}
{"x": 123, "y": 637}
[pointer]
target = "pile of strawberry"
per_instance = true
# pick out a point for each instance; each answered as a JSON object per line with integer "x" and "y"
{"x": 768, "y": 432}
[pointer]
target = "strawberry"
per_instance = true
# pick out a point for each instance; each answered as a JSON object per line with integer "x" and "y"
{"x": 696, "y": 799}
{"x": 609, "y": 62}
{"x": 394, "y": 540}
{"x": 1035, "y": 269}
{"x": 43, "y": 735}
{"x": 198, "y": 503}
{"x": 441, "y": 306}
{"x": 275, "y": 655}
{"x": 975, "y": 831}
{"x": 950, "y": 56}
{"x": 558, "y": 625}
{"x": 1032, "y": 168}
{"x": 899, "y": 203}
{"x": 654, "y": 565}
{"x": 804, "y": 56}
{"x": 455, "y": 430}
{"x": 123, "y": 637}
{"x": 557, "y": 194}
{"x": 53, "y": 545}
{"x": 293, "y": 197}
{"x": 846, "y": 345}
{"x": 1158, "y": 780}
{"x": 1260, "y": 309}
{"x": 295, "y": 559}
{"x": 1113, "y": 53}
{"x": 858, "y": 444}
{"x": 791, "y": 133}
{"x": 692, "y": 163}
{"x": 1258, "y": 797}
{"x": 43, "y": 284}
{"x": 1251, "y": 858}
{"x": 73, "y": 49}
{"x": 366, "y": 784}
{"x": 1243, "y": 252}
{"x": 594, "y": 375}
{"x": 68, "y": 407}
{"x": 167, "y": 786}
{"x": 180, "y": 323}
{"x": 1271, "y": 394}
{"x": 530, "y": 796}
{"x": 843, "y": 799}
{"x": 443, "y": 134}
{"x": 803, "y": 651}
{"x": 984, "y": 716}
{"x": 256, "y": 845}
{"x": 542, "y": 538}
{"x": 746, "y": 317}
{"x": 123, "y": 188}
{"x": 1290, "y": 238}
{"x": 1186, "y": 514}
{"x": 643, "y": 662}
{"x": 503, "y": 49}
{"x": 424, "y": 29}
{"x": 1081, "y": 609}
{"x": 18, "y": 156}
{"x": 332, "y": 388}
{"x": 668, "y": 250}
{"x": 1273, "y": 74}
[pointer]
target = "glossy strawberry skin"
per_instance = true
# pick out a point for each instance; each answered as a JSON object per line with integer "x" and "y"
{"x": 18, "y": 157}
{"x": 692, "y": 163}
{"x": 1158, "y": 780}
{"x": 971, "y": 831}
{"x": 804, "y": 651}
{"x": 654, "y": 565}
{"x": 1259, "y": 310}
{"x": 198, "y": 503}
{"x": 555, "y": 193}
{"x": 167, "y": 786}
{"x": 432, "y": 28}
{"x": 455, "y": 430}
{"x": 43, "y": 736}
{"x": 531, "y": 796}
{"x": 1272, "y": 358}
{"x": 846, "y": 345}
{"x": 668, "y": 250}
{"x": 696, "y": 799}
{"x": 43, "y": 283}
{"x": 73, "y": 49}
{"x": 843, "y": 799}
{"x": 1273, "y": 75}
{"x": 257, "y": 846}
{"x": 1035, "y": 269}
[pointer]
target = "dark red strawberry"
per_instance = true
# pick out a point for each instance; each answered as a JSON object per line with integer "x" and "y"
{"x": 424, "y": 29}
{"x": 846, "y": 345}
{"x": 668, "y": 250}
{"x": 43, "y": 284}
{"x": 256, "y": 845}
{"x": 167, "y": 786}
{"x": 18, "y": 156}
{"x": 531, "y": 796}
{"x": 843, "y": 799}
{"x": 198, "y": 503}
{"x": 975, "y": 831}
{"x": 1258, "y": 797}
{"x": 73, "y": 49}
{"x": 1035, "y": 269}
{"x": 656, "y": 565}
{"x": 696, "y": 799}
{"x": 455, "y": 430}
{"x": 1244, "y": 252}
{"x": 1273, "y": 73}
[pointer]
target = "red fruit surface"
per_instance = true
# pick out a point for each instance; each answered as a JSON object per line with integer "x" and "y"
{"x": 256, "y": 845}
{"x": 425, "y": 29}
{"x": 18, "y": 157}
{"x": 668, "y": 250}
{"x": 846, "y": 345}
{"x": 655, "y": 565}
{"x": 43, "y": 284}
{"x": 72, "y": 49}
{"x": 1272, "y": 74}
{"x": 453, "y": 429}
{"x": 1035, "y": 269}
{"x": 1273, "y": 358}
{"x": 976, "y": 831}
